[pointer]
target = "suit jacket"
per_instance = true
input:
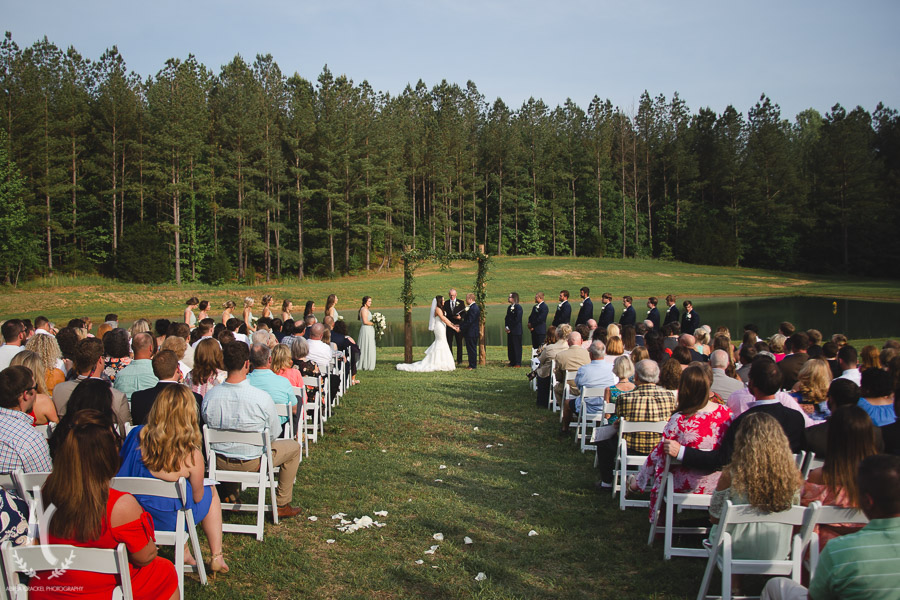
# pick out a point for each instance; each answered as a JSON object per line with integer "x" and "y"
{"x": 513, "y": 319}
{"x": 571, "y": 359}
{"x": 563, "y": 314}
{"x": 790, "y": 367}
{"x": 607, "y": 315}
{"x": 690, "y": 321}
{"x": 548, "y": 354}
{"x": 63, "y": 391}
{"x": 585, "y": 313}
{"x": 653, "y": 315}
{"x": 142, "y": 401}
{"x": 672, "y": 315}
{"x": 454, "y": 314}
{"x": 724, "y": 385}
{"x": 628, "y": 316}
{"x": 538, "y": 318}
{"x": 470, "y": 327}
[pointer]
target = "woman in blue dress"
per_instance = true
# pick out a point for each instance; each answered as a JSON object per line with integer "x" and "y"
{"x": 168, "y": 448}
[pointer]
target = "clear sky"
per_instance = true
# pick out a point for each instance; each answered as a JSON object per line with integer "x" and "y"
{"x": 713, "y": 53}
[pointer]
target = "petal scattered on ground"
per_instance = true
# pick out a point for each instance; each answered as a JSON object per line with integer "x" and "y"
{"x": 480, "y": 577}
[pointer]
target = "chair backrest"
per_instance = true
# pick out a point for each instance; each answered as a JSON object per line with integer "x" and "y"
{"x": 27, "y": 482}
{"x": 6, "y": 481}
{"x": 252, "y": 438}
{"x": 146, "y": 486}
{"x": 796, "y": 516}
{"x": 24, "y": 559}
{"x": 282, "y": 410}
{"x": 626, "y": 426}
{"x": 570, "y": 375}
{"x": 299, "y": 391}
{"x": 832, "y": 515}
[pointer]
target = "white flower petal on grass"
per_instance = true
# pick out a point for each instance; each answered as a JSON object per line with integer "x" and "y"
{"x": 347, "y": 451}
{"x": 434, "y": 567}
{"x": 489, "y": 446}
{"x": 467, "y": 540}
{"x": 475, "y": 428}
{"x": 480, "y": 577}
{"x": 420, "y": 562}
{"x": 329, "y": 541}
{"x": 532, "y": 533}
{"x": 442, "y": 467}
{"x": 429, "y": 552}
{"x": 439, "y": 537}
{"x": 501, "y": 445}
{"x": 338, "y": 516}
{"x": 313, "y": 518}
{"x": 377, "y": 524}
{"x": 439, "y": 481}
{"x": 523, "y": 472}
{"x": 364, "y": 521}
{"x": 381, "y": 513}
{"x": 385, "y": 451}
{"x": 535, "y": 494}
{"x": 345, "y": 522}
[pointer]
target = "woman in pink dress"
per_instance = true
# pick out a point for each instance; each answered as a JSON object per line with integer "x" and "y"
{"x": 697, "y": 423}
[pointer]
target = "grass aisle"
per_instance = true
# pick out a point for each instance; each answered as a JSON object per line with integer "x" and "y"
{"x": 384, "y": 449}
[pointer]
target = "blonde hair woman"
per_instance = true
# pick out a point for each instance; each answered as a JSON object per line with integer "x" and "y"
{"x": 249, "y": 321}
{"x": 776, "y": 345}
{"x": 179, "y": 346}
{"x": 228, "y": 311}
{"x": 813, "y": 381}
{"x": 167, "y": 448}
{"x": 764, "y": 475}
{"x": 47, "y": 348}
{"x": 612, "y": 330}
{"x": 139, "y": 326}
{"x": 44, "y": 410}
{"x": 701, "y": 335}
{"x": 614, "y": 349}
{"x": 283, "y": 364}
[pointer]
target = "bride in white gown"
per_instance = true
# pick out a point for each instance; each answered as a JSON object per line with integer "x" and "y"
{"x": 438, "y": 356}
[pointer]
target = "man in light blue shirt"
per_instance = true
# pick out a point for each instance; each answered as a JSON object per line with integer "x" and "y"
{"x": 138, "y": 375}
{"x": 597, "y": 373}
{"x": 238, "y": 406}
{"x": 262, "y": 377}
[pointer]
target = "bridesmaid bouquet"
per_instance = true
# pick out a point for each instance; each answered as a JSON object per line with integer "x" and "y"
{"x": 380, "y": 324}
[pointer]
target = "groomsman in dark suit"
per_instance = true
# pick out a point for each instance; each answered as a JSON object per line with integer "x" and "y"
{"x": 513, "y": 323}
{"x": 653, "y": 313}
{"x": 672, "y": 313}
{"x": 586, "y": 312}
{"x": 628, "y": 316}
{"x": 537, "y": 321}
{"x": 471, "y": 329}
{"x": 563, "y": 312}
{"x": 453, "y": 309}
{"x": 607, "y": 313}
{"x": 690, "y": 320}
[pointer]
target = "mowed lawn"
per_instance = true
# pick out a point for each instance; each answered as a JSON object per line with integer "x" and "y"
{"x": 506, "y": 473}
{"x": 62, "y": 297}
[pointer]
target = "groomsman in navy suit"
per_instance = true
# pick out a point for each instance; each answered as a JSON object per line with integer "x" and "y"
{"x": 607, "y": 313}
{"x": 672, "y": 313}
{"x": 653, "y": 313}
{"x": 586, "y": 312}
{"x": 537, "y": 321}
{"x": 513, "y": 323}
{"x": 690, "y": 320}
{"x": 563, "y": 312}
{"x": 628, "y": 316}
{"x": 471, "y": 329}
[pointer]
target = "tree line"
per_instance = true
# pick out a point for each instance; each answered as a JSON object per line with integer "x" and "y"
{"x": 194, "y": 175}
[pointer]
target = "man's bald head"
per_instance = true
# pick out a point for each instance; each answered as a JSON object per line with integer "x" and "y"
{"x": 687, "y": 340}
{"x": 718, "y": 359}
{"x": 316, "y": 331}
{"x": 142, "y": 346}
{"x": 574, "y": 339}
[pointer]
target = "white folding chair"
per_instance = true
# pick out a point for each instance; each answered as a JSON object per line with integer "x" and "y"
{"x": 284, "y": 411}
{"x": 44, "y": 430}
{"x": 586, "y": 419}
{"x": 608, "y": 409}
{"x": 176, "y": 490}
{"x": 7, "y": 483}
{"x": 810, "y": 463}
{"x": 831, "y": 515}
{"x": 21, "y": 559}
{"x": 681, "y": 501}
{"x": 128, "y": 428}
{"x": 263, "y": 479}
{"x": 567, "y": 394}
{"x": 629, "y": 464}
{"x": 315, "y": 406}
{"x": 720, "y": 549}
{"x": 553, "y": 404}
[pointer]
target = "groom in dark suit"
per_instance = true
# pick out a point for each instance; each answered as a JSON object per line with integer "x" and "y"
{"x": 537, "y": 321}
{"x": 586, "y": 312}
{"x": 470, "y": 328}
{"x": 513, "y": 323}
{"x": 453, "y": 309}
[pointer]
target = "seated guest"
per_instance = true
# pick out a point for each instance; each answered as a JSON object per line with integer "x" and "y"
{"x": 791, "y": 365}
{"x": 682, "y": 356}
{"x": 671, "y": 331}
{"x": 179, "y": 347}
{"x": 851, "y": 438}
{"x": 117, "y": 350}
{"x": 343, "y": 341}
{"x": 701, "y": 345}
{"x": 812, "y": 384}
{"x": 776, "y": 346}
{"x": 46, "y": 347}
{"x": 841, "y": 392}
{"x": 570, "y": 359}
{"x": 862, "y": 564}
{"x": 585, "y": 332}
{"x": 614, "y": 349}
{"x": 209, "y": 370}
{"x": 891, "y": 432}
{"x": 318, "y": 352}
{"x": 847, "y": 358}
{"x": 165, "y": 368}
{"x": 647, "y": 402}
{"x": 300, "y": 358}
{"x": 67, "y": 338}
{"x": 160, "y": 330}
{"x": 90, "y": 364}
{"x": 13, "y": 332}
{"x": 815, "y": 343}
{"x": 552, "y": 346}
{"x": 765, "y": 380}
{"x": 623, "y": 369}
{"x": 22, "y": 447}
{"x": 723, "y": 342}
{"x": 689, "y": 342}
{"x": 138, "y": 375}
{"x": 629, "y": 338}
{"x": 829, "y": 353}
{"x": 670, "y": 376}
{"x": 237, "y": 405}
{"x": 205, "y": 330}
{"x": 167, "y": 448}
{"x": 877, "y": 396}
{"x": 763, "y": 474}
{"x": 743, "y": 399}
{"x": 262, "y": 377}
{"x": 638, "y": 354}
{"x": 183, "y": 331}
{"x": 655, "y": 348}
{"x": 640, "y": 331}
{"x": 597, "y": 373}
{"x": 869, "y": 358}
{"x": 90, "y": 514}
{"x": 283, "y": 365}
{"x": 698, "y": 423}
{"x": 44, "y": 410}
{"x": 747, "y": 354}
{"x": 723, "y": 385}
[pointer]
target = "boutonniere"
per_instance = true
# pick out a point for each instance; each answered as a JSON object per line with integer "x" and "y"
{"x": 581, "y": 304}
{"x": 512, "y": 307}
{"x": 466, "y": 309}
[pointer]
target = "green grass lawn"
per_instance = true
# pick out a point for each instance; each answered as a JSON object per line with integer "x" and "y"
{"x": 400, "y": 429}
{"x": 62, "y": 297}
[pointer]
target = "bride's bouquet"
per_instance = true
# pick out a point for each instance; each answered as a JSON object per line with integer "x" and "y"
{"x": 380, "y": 324}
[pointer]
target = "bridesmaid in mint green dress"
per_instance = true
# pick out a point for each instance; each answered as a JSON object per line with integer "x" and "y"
{"x": 366, "y": 340}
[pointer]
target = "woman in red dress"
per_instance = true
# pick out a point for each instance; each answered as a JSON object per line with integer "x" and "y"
{"x": 91, "y": 515}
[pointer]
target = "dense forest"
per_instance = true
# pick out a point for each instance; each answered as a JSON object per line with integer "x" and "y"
{"x": 248, "y": 173}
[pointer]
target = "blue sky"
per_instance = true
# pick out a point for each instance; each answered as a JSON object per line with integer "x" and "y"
{"x": 802, "y": 54}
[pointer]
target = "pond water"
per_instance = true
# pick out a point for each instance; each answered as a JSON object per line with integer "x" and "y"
{"x": 854, "y": 318}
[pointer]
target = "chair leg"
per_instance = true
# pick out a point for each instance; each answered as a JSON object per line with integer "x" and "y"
{"x": 707, "y": 574}
{"x": 179, "y": 552}
{"x": 195, "y": 545}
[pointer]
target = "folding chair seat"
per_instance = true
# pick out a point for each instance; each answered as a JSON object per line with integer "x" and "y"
{"x": 22, "y": 559}
{"x": 567, "y": 395}
{"x": 176, "y": 490}
{"x": 629, "y": 464}
{"x": 587, "y": 419}
{"x": 553, "y": 404}
{"x": 831, "y": 515}
{"x": 720, "y": 549}
{"x": 262, "y": 479}
{"x": 680, "y": 500}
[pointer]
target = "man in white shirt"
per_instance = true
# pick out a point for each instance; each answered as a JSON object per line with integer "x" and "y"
{"x": 13, "y": 332}
{"x": 319, "y": 352}
{"x": 722, "y": 384}
{"x": 847, "y": 358}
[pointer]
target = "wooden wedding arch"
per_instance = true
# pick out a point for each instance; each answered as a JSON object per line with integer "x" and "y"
{"x": 412, "y": 259}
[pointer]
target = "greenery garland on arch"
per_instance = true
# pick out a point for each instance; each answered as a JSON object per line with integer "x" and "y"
{"x": 411, "y": 259}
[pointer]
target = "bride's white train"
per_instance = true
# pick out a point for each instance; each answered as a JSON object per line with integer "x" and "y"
{"x": 438, "y": 356}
